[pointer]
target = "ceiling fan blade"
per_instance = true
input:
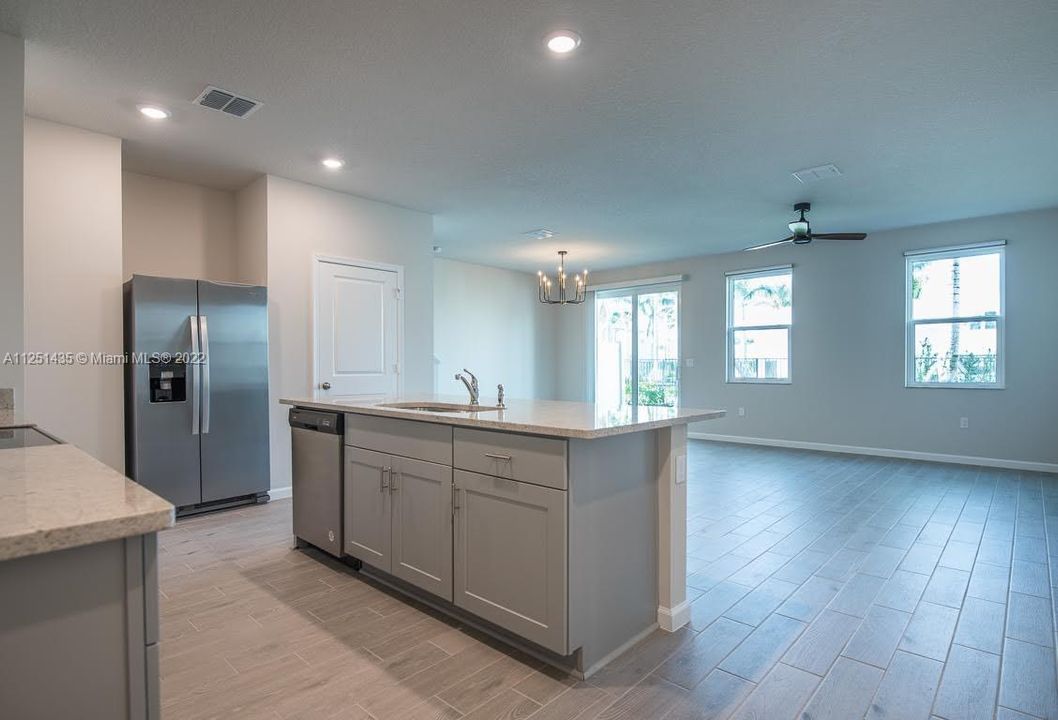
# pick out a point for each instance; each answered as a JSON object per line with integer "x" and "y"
{"x": 768, "y": 245}
{"x": 838, "y": 236}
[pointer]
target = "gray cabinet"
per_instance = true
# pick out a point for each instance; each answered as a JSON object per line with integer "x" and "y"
{"x": 367, "y": 507}
{"x": 78, "y": 633}
{"x": 422, "y": 525}
{"x": 511, "y": 556}
{"x": 552, "y": 540}
{"x": 398, "y": 517}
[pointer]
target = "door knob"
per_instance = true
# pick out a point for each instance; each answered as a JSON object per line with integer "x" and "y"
{"x": 325, "y": 385}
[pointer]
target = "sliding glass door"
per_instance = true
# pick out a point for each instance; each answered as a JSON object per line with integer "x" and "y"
{"x": 637, "y": 347}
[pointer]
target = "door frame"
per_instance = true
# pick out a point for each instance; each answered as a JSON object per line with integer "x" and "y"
{"x": 633, "y": 291}
{"x": 320, "y": 258}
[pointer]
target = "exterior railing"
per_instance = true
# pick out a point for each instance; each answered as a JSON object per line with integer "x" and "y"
{"x": 659, "y": 382}
{"x": 762, "y": 368}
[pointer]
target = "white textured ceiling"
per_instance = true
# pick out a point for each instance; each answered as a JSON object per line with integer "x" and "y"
{"x": 671, "y": 132}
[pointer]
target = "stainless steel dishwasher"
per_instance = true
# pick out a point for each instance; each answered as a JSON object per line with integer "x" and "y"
{"x": 316, "y": 439}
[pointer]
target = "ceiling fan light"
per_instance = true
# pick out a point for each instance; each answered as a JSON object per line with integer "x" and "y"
{"x": 799, "y": 227}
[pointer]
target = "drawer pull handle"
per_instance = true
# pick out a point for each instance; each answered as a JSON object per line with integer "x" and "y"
{"x": 494, "y": 456}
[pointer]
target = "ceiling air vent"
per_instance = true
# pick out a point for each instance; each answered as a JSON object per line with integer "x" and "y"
{"x": 226, "y": 102}
{"x": 815, "y": 174}
{"x": 539, "y": 234}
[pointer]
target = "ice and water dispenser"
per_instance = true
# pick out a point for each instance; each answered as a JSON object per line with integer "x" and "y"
{"x": 168, "y": 381}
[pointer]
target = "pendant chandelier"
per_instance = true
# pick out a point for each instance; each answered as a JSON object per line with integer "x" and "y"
{"x": 563, "y": 290}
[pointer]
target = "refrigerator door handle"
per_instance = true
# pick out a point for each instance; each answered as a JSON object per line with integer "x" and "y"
{"x": 195, "y": 370}
{"x": 204, "y": 330}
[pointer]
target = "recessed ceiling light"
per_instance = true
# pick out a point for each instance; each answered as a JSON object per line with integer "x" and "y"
{"x": 154, "y": 112}
{"x": 563, "y": 41}
{"x": 332, "y": 163}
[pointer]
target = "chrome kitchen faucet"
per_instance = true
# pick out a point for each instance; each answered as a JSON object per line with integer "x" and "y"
{"x": 471, "y": 385}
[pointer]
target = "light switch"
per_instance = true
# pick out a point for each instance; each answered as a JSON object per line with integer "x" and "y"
{"x": 681, "y": 469}
{"x": 689, "y": 362}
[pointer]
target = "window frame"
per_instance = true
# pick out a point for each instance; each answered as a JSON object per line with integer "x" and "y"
{"x": 945, "y": 253}
{"x": 731, "y": 328}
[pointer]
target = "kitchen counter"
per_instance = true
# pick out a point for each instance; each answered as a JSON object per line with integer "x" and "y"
{"x": 79, "y": 569}
{"x": 55, "y": 497}
{"x": 559, "y": 526}
{"x": 553, "y": 418}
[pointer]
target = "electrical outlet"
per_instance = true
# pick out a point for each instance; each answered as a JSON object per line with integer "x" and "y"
{"x": 964, "y": 423}
{"x": 742, "y": 412}
{"x": 689, "y": 362}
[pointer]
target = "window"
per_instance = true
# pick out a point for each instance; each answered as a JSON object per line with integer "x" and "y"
{"x": 955, "y": 317}
{"x": 759, "y": 318}
{"x": 637, "y": 347}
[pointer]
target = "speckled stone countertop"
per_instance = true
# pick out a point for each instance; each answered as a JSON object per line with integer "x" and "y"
{"x": 55, "y": 497}
{"x": 552, "y": 418}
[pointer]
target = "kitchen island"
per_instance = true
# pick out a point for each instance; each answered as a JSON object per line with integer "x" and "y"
{"x": 558, "y": 526}
{"x": 78, "y": 584}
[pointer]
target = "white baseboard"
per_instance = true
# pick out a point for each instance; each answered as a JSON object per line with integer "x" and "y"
{"x": 280, "y": 493}
{"x": 882, "y": 452}
{"x": 673, "y": 618}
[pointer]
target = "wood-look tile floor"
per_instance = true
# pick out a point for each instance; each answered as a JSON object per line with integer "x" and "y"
{"x": 823, "y": 586}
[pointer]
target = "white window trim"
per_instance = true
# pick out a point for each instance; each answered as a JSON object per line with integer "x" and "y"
{"x": 634, "y": 290}
{"x": 731, "y": 328}
{"x": 961, "y": 251}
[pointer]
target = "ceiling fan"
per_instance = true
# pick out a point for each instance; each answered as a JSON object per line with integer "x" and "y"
{"x": 802, "y": 232}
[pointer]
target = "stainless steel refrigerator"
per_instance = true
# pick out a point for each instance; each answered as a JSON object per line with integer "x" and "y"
{"x": 196, "y": 391}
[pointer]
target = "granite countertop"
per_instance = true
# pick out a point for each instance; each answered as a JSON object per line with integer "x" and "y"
{"x": 55, "y": 497}
{"x": 553, "y": 418}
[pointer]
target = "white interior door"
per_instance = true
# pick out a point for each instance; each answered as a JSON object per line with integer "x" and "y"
{"x": 357, "y": 329}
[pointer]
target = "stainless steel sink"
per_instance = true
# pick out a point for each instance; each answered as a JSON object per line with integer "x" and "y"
{"x": 441, "y": 407}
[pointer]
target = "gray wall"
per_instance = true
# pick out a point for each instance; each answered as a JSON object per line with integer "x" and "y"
{"x": 302, "y": 220}
{"x": 11, "y": 104}
{"x": 489, "y": 320}
{"x": 848, "y": 347}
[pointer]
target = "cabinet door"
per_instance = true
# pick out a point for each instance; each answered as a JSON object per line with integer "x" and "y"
{"x": 422, "y": 525}
{"x": 510, "y": 556}
{"x": 367, "y": 507}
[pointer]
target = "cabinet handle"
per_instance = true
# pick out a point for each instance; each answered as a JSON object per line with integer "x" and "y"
{"x": 494, "y": 456}
{"x": 393, "y": 480}
{"x": 455, "y": 498}
{"x": 383, "y": 483}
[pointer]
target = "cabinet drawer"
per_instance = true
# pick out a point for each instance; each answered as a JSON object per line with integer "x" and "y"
{"x": 407, "y": 438}
{"x": 526, "y": 458}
